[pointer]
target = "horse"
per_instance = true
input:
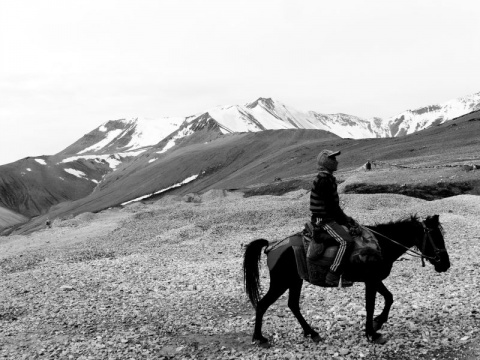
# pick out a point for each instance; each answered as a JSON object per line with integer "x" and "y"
{"x": 395, "y": 238}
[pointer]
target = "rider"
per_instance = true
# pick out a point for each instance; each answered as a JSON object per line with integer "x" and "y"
{"x": 327, "y": 214}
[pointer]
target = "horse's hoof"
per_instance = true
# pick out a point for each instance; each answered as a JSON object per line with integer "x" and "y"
{"x": 314, "y": 335}
{"x": 380, "y": 340}
{"x": 316, "y": 338}
{"x": 263, "y": 343}
{"x": 377, "y": 325}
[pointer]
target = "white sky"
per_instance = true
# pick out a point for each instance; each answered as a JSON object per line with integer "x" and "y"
{"x": 67, "y": 66}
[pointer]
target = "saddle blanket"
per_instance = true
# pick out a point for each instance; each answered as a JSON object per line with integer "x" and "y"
{"x": 275, "y": 249}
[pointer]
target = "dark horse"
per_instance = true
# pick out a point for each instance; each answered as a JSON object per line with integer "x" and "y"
{"x": 396, "y": 238}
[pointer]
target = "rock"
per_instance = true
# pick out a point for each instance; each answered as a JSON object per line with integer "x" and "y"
{"x": 67, "y": 288}
{"x": 195, "y": 198}
{"x": 214, "y": 194}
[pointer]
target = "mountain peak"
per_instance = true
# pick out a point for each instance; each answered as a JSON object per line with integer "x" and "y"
{"x": 266, "y": 102}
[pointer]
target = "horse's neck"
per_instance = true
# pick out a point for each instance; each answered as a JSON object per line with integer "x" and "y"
{"x": 406, "y": 236}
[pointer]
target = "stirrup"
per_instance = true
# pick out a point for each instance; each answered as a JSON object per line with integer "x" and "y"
{"x": 346, "y": 283}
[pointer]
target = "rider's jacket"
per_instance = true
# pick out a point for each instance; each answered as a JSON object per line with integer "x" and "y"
{"x": 324, "y": 200}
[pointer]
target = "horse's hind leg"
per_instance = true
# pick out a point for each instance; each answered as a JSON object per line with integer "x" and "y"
{"x": 274, "y": 292}
{"x": 294, "y": 305}
{"x": 381, "y": 319}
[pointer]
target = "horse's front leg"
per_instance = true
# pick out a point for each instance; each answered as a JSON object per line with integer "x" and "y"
{"x": 381, "y": 319}
{"x": 370, "y": 295}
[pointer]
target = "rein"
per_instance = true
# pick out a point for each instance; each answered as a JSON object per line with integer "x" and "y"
{"x": 413, "y": 252}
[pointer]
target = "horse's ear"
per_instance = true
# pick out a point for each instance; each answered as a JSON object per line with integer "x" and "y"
{"x": 434, "y": 218}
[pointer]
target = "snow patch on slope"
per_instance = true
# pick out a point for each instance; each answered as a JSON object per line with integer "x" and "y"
{"x": 112, "y": 160}
{"x": 111, "y": 135}
{"x": 232, "y": 120}
{"x": 187, "y": 180}
{"x": 149, "y": 132}
{"x": 77, "y": 173}
{"x": 181, "y": 134}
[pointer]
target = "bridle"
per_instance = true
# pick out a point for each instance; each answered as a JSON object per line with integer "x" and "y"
{"x": 426, "y": 237}
{"x": 436, "y": 250}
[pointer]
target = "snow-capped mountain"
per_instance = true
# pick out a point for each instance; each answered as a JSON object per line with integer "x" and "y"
{"x": 411, "y": 121}
{"x": 268, "y": 114}
{"x": 133, "y": 136}
{"x": 124, "y": 135}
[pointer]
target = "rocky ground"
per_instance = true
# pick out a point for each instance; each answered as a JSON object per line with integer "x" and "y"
{"x": 164, "y": 281}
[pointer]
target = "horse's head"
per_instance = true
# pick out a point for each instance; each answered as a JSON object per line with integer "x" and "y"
{"x": 432, "y": 244}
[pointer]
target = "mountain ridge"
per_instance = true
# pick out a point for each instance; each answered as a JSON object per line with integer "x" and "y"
{"x": 265, "y": 114}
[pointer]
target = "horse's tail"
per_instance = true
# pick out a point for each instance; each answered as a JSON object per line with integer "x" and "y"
{"x": 251, "y": 275}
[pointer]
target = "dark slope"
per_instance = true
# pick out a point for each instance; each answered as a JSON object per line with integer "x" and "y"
{"x": 453, "y": 142}
{"x": 30, "y": 187}
{"x": 230, "y": 161}
{"x": 10, "y": 218}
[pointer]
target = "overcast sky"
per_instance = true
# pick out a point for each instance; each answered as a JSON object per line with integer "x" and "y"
{"x": 67, "y": 66}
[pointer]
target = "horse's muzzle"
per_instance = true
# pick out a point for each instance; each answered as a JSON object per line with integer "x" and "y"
{"x": 443, "y": 263}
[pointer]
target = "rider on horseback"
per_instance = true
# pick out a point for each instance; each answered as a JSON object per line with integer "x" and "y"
{"x": 327, "y": 214}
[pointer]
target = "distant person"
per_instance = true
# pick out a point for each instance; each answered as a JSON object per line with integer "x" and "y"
{"x": 327, "y": 214}
{"x": 368, "y": 165}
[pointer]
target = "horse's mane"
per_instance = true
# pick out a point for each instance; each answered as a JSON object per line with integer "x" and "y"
{"x": 398, "y": 227}
{"x": 401, "y": 222}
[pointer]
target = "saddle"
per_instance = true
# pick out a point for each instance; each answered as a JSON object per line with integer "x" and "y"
{"x": 320, "y": 251}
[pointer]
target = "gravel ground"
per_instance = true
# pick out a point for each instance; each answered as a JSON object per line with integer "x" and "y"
{"x": 164, "y": 281}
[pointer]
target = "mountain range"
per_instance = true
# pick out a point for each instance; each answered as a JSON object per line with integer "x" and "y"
{"x": 126, "y": 159}
{"x": 263, "y": 114}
